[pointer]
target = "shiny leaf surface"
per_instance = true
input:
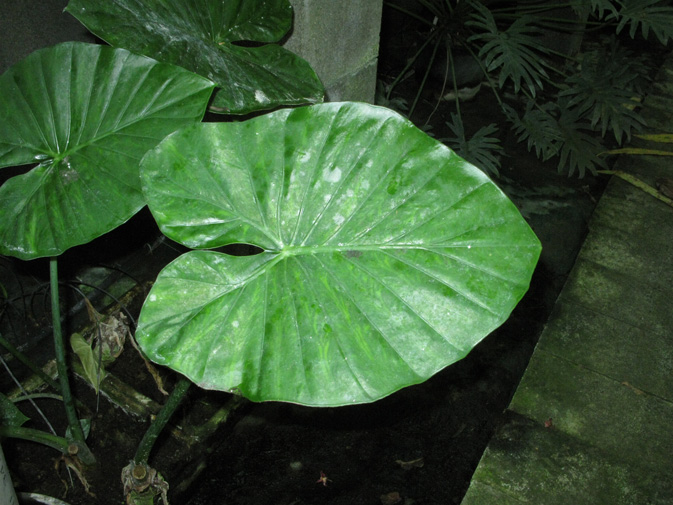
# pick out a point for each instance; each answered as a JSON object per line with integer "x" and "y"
{"x": 230, "y": 42}
{"x": 85, "y": 114}
{"x": 386, "y": 257}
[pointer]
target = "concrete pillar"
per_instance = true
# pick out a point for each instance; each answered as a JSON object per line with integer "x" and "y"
{"x": 340, "y": 39}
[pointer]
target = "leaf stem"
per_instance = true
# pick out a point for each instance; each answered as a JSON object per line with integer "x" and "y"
{"x": 59, "y": 348}
{"x": 152, "y": 433}
{"x": 28, "y": 363}
{"x": 39, "y": 436}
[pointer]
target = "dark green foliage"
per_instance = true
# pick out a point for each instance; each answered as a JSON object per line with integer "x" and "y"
{"x": 481, "y": 150}
{"x": 514, "y": 51}
{"x": 561, "y": 105}
{"x": 648, "y": 14}
{"x": 604, "y": 90}
{"x": 579, "y": 149}
{"x": 538, "y": 127}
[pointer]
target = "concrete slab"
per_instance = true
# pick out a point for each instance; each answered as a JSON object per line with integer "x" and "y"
{"x": 628, "y": 424}
{"x": 622, "y": 244}
{"x": 622, "y": 296}
{"x": 611, "y": 348}
{"x": 527, "y": 463}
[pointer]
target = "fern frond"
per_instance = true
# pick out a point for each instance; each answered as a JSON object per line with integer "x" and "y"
{"x": 481, "y": 150}
{"x": 649, "y": 14}
{"x": 515, "y": 51}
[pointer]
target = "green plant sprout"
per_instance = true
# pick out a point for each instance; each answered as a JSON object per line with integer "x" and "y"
{"x": 11, "y": 426}
{"x": 74, "y": 452}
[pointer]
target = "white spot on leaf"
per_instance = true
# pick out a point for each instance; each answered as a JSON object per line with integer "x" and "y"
{"x": 331, "y": 175}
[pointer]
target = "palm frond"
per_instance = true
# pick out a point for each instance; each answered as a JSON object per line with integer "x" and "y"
{"x": 516, "y": 51}
{"x": 649, "y": 14}
{"x": 481, "y": 150}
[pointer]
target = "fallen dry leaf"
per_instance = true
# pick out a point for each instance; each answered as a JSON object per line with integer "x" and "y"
{"x": 408, "y": 465}
{"x": 633, "y": 388}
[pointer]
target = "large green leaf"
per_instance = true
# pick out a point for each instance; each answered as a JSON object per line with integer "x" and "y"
{"x": 86, "y": 114}
{"x": 217, "y": 39}
{"x": 386, "y": 256}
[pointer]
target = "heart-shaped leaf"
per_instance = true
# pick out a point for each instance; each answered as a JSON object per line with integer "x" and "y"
{"x": 217, "y": 39}
{"x": 386, "y": 256}
{"x": 86, "y": 114}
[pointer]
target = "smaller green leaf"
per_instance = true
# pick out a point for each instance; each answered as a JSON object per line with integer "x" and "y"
{"x": 10, "y": 415}
{"x": 641, "y": 151}
{"x": 85, "y": 114}
{"x": 94, "y": 373}
{"x": 232, "y": 43}
{"x": 666, "y": 138}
